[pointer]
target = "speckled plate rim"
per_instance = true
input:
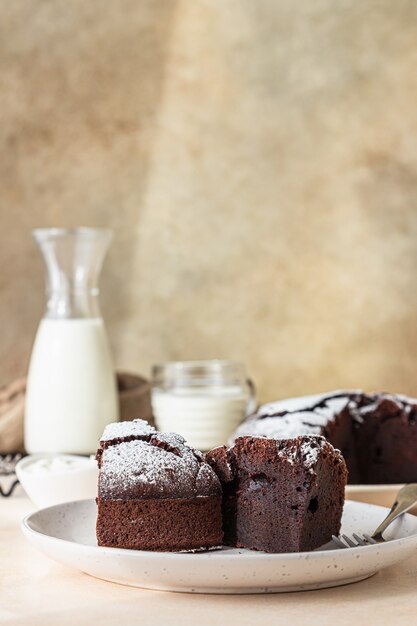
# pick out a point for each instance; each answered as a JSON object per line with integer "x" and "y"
{"x": 222, "y": 552}
{"x": 227, "y": 570}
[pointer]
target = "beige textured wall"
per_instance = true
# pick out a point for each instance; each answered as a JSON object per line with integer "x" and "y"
{"x": 257, "y": 162}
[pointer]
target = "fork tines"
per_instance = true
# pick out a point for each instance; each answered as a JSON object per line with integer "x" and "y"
{"x": 358, "y": 541}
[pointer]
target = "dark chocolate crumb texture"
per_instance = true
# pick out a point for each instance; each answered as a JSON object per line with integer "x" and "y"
{"x": 280, "y": 495}
{"x": 155, "y": 492}
{"x": 376, "y": 433}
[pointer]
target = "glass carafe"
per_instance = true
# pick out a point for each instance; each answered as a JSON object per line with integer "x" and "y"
{"x": 71, "y": 388}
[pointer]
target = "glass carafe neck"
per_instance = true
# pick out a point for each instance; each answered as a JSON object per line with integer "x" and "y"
{"x": 73, "y": 259}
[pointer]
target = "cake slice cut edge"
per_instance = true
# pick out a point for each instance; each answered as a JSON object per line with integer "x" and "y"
{"x": 280, "y": 495}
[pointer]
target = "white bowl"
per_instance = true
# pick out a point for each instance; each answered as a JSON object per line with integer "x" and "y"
{"x": 46, "y": 488}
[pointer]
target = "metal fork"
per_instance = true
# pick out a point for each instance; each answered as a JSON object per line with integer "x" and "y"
{"x": 406, "y": 498}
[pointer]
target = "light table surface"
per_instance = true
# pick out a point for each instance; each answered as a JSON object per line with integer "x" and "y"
{"x": 35, "y": 590}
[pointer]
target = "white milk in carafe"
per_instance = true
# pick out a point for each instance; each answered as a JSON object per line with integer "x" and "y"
{"x": 71, "y": 393}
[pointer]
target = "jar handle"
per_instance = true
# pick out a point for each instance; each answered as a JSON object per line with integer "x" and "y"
{"x": 252, "y": 404}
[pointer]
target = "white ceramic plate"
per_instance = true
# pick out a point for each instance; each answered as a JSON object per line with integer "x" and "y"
{"x": 66, "y": 533}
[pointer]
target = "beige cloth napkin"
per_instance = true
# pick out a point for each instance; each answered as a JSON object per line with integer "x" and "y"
{"x": 134, "y": 401}
{"x": 12, "y": 404}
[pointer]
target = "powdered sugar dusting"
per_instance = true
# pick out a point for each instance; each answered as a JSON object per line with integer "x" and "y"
{"x": 306, "y": 403}
{"x": 145, "y": 469}
{"x": 283, "y": 427}
{"x": 311, "y": 449}
{"x": 309, "y": 415}
{"x": 292, "y": 424}
{"x": 307, "y": 451}
{"x": 120, "y": 430}
{"x": 144, "y": 463}
{"x": 172, "y": 440}
{"x": 206, "y": 479}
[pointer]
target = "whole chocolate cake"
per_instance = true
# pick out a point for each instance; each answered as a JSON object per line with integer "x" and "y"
{"x": 376, "y": 433}
{"x": 280, "y": 496}
{"x": 155, "y": 492}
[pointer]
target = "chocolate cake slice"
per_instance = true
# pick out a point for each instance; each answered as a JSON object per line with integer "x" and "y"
{"x": 155, "y": 492}
{"x": 280, "y": 495}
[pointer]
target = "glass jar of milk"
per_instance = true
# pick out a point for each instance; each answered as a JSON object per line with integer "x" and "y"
{"x": 204, "y": 401}
{"x": 71, "y": 389}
